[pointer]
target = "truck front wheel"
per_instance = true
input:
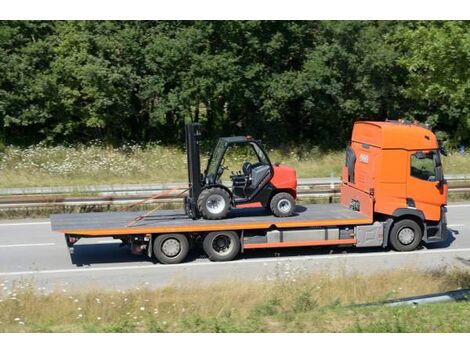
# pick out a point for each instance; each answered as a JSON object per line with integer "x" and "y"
{"x": 405, "y": 235}
{"x": 171, "y": 248}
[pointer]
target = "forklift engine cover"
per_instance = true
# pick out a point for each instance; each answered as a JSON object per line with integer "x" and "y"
{"x": 285, "y": 177}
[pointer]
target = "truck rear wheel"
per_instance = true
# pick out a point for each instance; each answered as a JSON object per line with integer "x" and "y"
{"x": 221, "y": 246}
{"x": 405, "y": 235}
{"x": 214, "y": 203}
{"x": 171, "y": 248}
{"x": 282, "y": 204}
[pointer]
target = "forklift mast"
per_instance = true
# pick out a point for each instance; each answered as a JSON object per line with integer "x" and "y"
{"x": 192, "y": 134}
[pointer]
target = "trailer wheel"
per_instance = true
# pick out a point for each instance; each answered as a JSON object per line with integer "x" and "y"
{"x": 221, "y": 246}
{"x": 213, "y": 203}
{"x": 405, "y": 235}
{"x": 282, "y": 204}
{"x": 171, "y": 248}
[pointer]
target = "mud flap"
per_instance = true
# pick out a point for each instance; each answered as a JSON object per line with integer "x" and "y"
{"x": 437, "y": 233}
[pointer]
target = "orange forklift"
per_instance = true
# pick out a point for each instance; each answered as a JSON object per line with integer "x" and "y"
{"x": 393, "y": 193}
{"x": 273, "y": 187}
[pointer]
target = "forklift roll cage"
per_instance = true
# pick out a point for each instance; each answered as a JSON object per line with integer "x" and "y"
{"x": 211, "y": 177}
{"x": 214, "y": 165}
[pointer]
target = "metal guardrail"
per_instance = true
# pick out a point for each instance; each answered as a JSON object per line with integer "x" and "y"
{"x": 450, "y": 296}
{"x": 440, "y": 297}
{"x": 133, "y": 188}
{"x": 103, "y": 195}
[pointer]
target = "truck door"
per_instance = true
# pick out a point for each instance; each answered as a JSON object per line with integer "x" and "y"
{"x": 426, "y": 188}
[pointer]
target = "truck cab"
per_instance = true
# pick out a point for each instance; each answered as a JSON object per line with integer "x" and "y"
{"x": 399, "y": 165}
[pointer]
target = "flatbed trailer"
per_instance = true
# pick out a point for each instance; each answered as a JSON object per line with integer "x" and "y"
{"x": 393, "y": 192}
{"x": 253, "y": 222}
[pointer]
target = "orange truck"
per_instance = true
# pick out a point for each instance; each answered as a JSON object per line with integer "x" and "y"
{"x": 393, "y": 193}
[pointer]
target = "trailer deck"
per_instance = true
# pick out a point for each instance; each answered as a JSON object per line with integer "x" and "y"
{"x": 171, "y": 221}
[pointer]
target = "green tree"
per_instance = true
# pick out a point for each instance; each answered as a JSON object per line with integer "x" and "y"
{"x": 435, "y": 56}
{"x": 349, "y": 73}
{"x": 26, "y": 51}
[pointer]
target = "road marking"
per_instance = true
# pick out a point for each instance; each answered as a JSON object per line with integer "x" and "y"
{"x": 238, "y": 262}
{"x": 26, "y": 245}
{"x": 457, "y": 205}
{"x": 25, "y": 223}
{"x": 456, "y": 225}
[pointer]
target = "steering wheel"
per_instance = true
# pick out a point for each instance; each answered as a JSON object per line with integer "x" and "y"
{"x": 246, "y": 168}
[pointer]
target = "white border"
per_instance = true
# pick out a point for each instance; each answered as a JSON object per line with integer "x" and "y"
{"x": 234, "y": 9}
{"x": 232, "y": 342}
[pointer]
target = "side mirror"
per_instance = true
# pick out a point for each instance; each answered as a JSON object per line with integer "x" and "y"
{"x": 441, "y": 184}
{"x": 442, "y": 149}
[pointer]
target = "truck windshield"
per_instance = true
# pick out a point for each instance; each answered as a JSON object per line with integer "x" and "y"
{"x": 426, "y": 166}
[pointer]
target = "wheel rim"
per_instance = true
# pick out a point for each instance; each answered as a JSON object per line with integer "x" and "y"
{"x": 406, "y": 235}
{"x": 222, "y": 244}
{"x": 215, "y": 203}
{"x": 171, "y": 247}
{"x": 284, "y": 206}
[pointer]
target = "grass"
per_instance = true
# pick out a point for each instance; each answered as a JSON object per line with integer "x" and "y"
{"x": 95, "y": 164}
{"x": 314, "y": 303}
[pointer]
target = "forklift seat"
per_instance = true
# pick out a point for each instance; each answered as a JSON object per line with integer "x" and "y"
{"x": 258, "y": 173}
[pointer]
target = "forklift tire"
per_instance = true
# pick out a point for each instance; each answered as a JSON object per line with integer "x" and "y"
{"x": 282, "y": 204}
{"x": 170, "y": 248}
{"x": 405, "y": 235}
{"x": 221, "y": 246}
{"x": 214, "y": 203}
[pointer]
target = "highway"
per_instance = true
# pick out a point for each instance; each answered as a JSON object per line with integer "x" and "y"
{"x": 31, "y": 252}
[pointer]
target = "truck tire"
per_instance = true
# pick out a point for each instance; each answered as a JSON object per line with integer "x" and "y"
{"x": 221, "y": 246}
{"x": 282, "y": 204}
{"x": 214, "y": 203}
{"x": 405, "y": 235}
{"x": 170, "y": 248}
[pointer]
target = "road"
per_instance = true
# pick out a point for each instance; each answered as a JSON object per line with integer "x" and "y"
{"x": 30, "y": 251}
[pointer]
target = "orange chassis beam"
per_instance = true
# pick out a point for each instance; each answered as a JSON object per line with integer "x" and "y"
{"x": 215, "y": 227}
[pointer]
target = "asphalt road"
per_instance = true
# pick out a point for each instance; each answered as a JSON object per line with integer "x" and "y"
{"x": 31, "y": 252}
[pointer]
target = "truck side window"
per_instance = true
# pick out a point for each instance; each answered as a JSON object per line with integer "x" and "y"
{"x": 350, "y": 163}
{"x": 423, "y": 166}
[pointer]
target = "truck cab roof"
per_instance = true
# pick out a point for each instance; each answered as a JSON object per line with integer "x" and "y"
{"x": 394, "y": 135}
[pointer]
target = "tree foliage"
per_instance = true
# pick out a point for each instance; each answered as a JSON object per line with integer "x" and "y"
{"x": 436, "y": 56}
{"x": 283, "y": 81}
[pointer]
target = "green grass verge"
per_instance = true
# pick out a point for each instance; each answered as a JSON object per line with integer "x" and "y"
{"x": 290, "y": 303}
{"x": 94, "y": 164}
